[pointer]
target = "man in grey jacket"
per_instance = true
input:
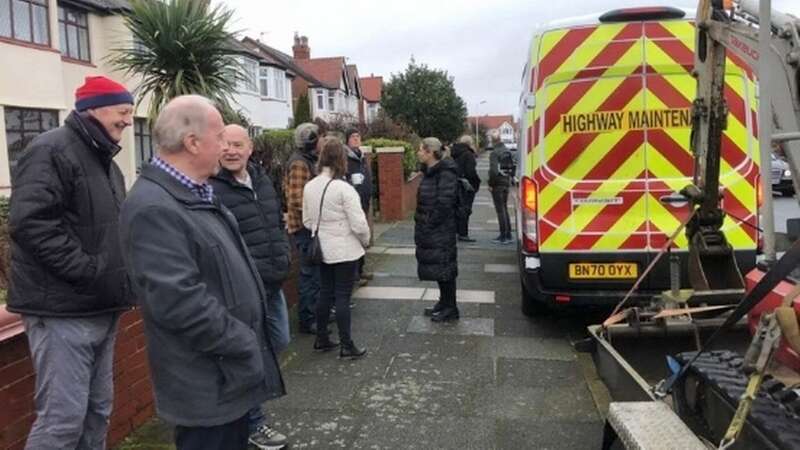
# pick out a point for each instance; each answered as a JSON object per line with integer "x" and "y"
{"x": 201, "y": 295}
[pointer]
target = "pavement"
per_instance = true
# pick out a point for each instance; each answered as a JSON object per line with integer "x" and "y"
{"x": 494, "y": 380}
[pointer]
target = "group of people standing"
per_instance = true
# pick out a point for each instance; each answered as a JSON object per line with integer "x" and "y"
{"x": 202, "y": 242}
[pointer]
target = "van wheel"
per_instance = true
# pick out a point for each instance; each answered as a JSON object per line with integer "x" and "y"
{"x": 531, "y": 306}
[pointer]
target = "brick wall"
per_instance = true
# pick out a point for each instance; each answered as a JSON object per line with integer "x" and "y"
{"x": 133, "y": 395}
{"x": 398, "y": 196}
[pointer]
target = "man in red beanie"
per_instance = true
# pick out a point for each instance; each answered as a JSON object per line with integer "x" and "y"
{"x": 68, "y": 280}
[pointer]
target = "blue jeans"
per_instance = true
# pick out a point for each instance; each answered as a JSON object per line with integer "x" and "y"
{"x": 277, "y": 319}
{"x": 308, "y": 282}
{"x": 278, "y": 334}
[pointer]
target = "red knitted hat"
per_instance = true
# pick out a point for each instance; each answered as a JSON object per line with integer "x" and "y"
{"x": 100, "y": 91}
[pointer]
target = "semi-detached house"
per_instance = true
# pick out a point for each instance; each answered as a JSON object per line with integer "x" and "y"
{"x": 48, "y": 47}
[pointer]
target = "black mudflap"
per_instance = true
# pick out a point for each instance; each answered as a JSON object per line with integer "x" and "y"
{"x": 709, "y": 394}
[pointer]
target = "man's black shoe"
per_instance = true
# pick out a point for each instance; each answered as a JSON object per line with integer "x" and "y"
{"x": 433, "y": 309}
{"x": 349, "y": 350}
{"x": 445, "y": 315}
{"x": 324, "y": 344}
{"x": 466, "y": 239}
{"x": 310, "y": 328}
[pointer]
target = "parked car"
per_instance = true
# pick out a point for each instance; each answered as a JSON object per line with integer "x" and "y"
{"x": 781, "y": 176}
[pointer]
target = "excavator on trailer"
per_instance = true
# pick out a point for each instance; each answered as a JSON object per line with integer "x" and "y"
{"x": 723, "y": 399}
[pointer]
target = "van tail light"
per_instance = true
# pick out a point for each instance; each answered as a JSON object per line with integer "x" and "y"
{"x": 528, "y": 194}
{"x": 759, "y": 203}
{"x": 759, "y": 192}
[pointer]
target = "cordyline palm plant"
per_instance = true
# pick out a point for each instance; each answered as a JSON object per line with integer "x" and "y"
{"x": 180, "y": 47}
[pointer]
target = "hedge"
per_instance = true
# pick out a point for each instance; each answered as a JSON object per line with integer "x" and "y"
{"x": 409, "y": 154}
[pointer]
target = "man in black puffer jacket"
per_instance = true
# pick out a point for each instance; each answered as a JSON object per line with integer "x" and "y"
{"x": 68, "y": 277}
{"x": 465, "y": 162}
{"x": 435, "y": 228}
{"x": 248, "y": 192}
{"x": 359, "y": 175}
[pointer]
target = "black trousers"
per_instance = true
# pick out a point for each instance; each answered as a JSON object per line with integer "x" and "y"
{"x": 500, "y": 199}
{"x": 447, "y": 293}
{"x": 336, "y": 287}
{"x": 230, "y": 436}
{"x": 462, "y": 222}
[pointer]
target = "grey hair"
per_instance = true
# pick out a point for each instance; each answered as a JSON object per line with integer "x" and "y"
{"x": 467, "y": 139}
{"x": 434, "y": 146}
{"x": 182, "y": 116}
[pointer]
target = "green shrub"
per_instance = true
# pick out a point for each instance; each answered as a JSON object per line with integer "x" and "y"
{"x": 302, "y": 112}
{"x": 271, "y": 149}
{"x": 409, "y": 155}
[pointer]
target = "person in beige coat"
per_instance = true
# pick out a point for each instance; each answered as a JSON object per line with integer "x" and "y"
{"x": 343, "y": 235}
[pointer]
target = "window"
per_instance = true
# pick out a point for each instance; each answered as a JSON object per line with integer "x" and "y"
{"x": 143, "y": 142}
{"x": 280, "y": 83}
{"x": 331, "y": 100}
{"x": 73, "y": 27}
{"x": 25, "y": 20}
{"x": 22, "y": 125}
{"x": 263, "y": 81}
{"x": 250, "y": 69}
{"x": 320, "y": 99}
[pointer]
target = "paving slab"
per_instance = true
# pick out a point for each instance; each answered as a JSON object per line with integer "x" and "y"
{"x": 501, "y": 268}
{"x": 411, "y": 432}
{"x": 571, "y": 403}
{"x": 466, "y": 326}
{"x": 434, "y": 366}
{"x": 317, "y": 429}
{"x": 516, "y": 434}
{"x": 313, "y": 392}
{"x": 394, "y": 397}
{"x": 462, "y": 295}
{"x": 530, "y": 328}
{"x": 405, "y": 251}
{"x": 525, "y": 348}
{"x": 389, "y": 293}
{"x": 537, "y": 373}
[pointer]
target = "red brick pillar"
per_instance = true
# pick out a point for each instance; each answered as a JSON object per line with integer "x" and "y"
{"x": 391, "y": 181}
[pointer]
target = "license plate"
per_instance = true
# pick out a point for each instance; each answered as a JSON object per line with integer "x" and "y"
{"x": 603, "y": 271}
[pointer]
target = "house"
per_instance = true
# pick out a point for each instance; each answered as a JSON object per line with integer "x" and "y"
{"x": 333, "y": 91}
{"x": 47, "y": 48}
{"x": 265, "y": 97}
{"x": 505, "y": 125}
{"x": 371, "y": 88}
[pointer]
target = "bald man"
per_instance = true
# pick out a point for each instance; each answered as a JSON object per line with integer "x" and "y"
{"x": 246, "y": 189}
{"x": 200, "y": 293}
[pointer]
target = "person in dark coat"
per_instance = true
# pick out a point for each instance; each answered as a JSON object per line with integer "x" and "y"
{"x": 464, "y": 158}
{"x": 201, "y": 295}
{"x": 359, "y": 175}
{"x": 248, "y": 192}
{"x": 435, "y": 227}
{"x": 499, "y": 185}
{"x": 68, "y": 278}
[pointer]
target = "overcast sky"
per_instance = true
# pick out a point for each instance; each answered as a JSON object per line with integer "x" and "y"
{"x": 482, "y": 44}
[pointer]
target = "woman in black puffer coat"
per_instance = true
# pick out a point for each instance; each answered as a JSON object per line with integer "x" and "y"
{"x": 435, "y": 227}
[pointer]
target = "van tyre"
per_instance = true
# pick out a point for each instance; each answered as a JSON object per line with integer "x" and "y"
{"x": 531, "y": 306}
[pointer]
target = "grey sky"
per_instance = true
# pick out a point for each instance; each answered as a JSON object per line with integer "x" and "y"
{"x": 482, "y": 44}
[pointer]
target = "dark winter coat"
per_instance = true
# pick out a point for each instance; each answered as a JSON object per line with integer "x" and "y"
{"x": 203, "y": 304}
{"x": 465, "y": 164}
{"x": 359, "y": 175}
{"x": 435, "y": 223}
{"x": 65, "y": 254}
{"x": 496, "y": 178}
{"x": 260, "y": 218}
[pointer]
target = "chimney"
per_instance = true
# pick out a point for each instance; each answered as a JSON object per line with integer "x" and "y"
{"x": 300, "y": 48}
